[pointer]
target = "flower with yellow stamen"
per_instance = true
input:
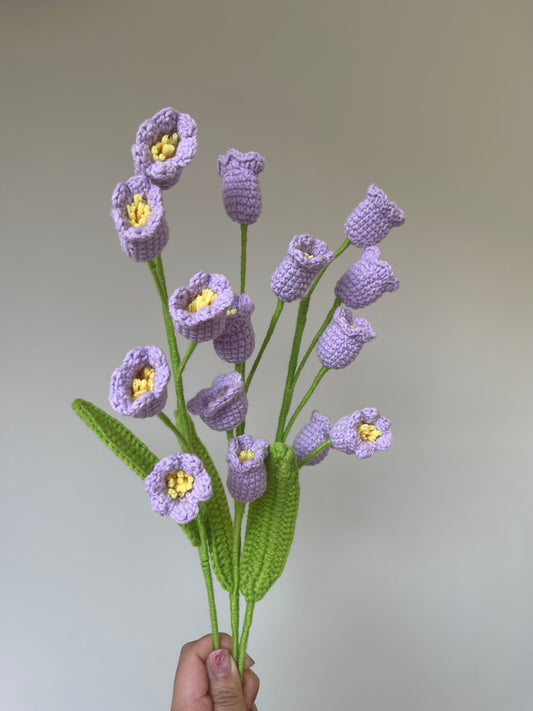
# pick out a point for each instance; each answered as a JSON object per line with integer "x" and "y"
{"x": 165, "y": 148}
{"x": 143, "y": 382}
{"x": 177, "y": 486}
{"x": 237, "y": 342}
{"x": 363, "y": 433}
{"x": 247, "y": 478}
{"x": 206, "y": 297}
{"x": 139, "y": 212}
{"x": 139, "y": 387}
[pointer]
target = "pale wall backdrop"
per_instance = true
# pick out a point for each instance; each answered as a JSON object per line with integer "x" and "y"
{"x": 410, "y": 582}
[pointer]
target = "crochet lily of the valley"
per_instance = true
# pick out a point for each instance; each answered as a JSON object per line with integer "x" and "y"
{"x": 262, "y": 474}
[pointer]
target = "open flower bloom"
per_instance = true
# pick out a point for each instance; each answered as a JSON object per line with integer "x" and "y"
{"x": 373, "y": 219}
{"x": 199, "y": 310}
{"x": 241, "y": 192}
{"x": 362, "y": 433}
{"x": 366, "y": 280}
{"x": 139, "y": 386}
{"x": 165, "y": 144}
{"x": 247, "y": 477}
{"x": 306, "y": 257}
{"x": 224, "y": 405}
{"x": 177, "y": 485}
{"x": 342, "y": 340}
{"x": 312, "y": 436}
{"x": 237, "y": 342}
{"x": 139, "y": 218}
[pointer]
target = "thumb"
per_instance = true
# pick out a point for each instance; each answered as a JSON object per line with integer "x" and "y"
{"x": 225, "y": 684}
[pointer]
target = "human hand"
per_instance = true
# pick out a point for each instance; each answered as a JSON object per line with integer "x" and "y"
{"x": 208, "y": 680}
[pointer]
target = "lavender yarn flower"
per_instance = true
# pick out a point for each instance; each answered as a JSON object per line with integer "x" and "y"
{"x": 305, "y": 259}
{"x": 362, "y": 433}
{"x": 165, "y": 144}
{"x": 366, "y": 280}
{"x": 224, "y": 405}
{"x": 177, "y": 486}
{"x": 342, "y": 340}
{"x": 241, "y": 192}
{"x": 247, "y": 477}
{"x": 139, "y": 218}
{"x": 373, "y": 219}
{"x": 199, "y": 310}
{"x": 139, "y": 387}
{"x": 237, "y": 342}
{"x": 312, "y": 436}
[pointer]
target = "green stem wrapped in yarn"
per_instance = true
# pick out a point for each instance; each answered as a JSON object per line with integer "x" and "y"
{"x": 206, "y": 569}
{"x": 270, "y": 331}
{"x": 304, "y": 401}
{"x": 234, "y": 598}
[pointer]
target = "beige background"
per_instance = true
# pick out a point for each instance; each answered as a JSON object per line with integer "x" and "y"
{"x": 410, "y": 581}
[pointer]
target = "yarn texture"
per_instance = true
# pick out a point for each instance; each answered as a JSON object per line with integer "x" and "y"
{"x": 306, "y": 257}
{"x": 222, "y": 406}
{"x": 241, "y": 192}
{"x": 199, "y": 310}
{"x": 121, "y": 392}
{"x": 237, "y": 342}
{"x": 363, "y": 433}
{"x": 373, "y": 219}
{"x": 312, "y": 436}
{"x": 342, "y": 340}
{"x": 366, "y": 280}
{"x": 247, "y": 477}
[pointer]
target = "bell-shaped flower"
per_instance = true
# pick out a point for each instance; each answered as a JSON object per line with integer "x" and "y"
{"x": 139, "y": 387}
{"x": 237, "y": 342}
{"x": 165, "y": 144}
{"x": 199, "y": 310}
{"x": 222, "y": 406}
{"x": 306, "y": 257}
{"x": 362, "y": 433}
{"x": 342, "y": 340}
{"x": 241, "y": 192}
{"x": 366, "y": 280}
{"x": 312, "y": 436}
{"x": 373, "y": 219}
{"x": 247, "y": 476}
{"x": 139, "y": 218}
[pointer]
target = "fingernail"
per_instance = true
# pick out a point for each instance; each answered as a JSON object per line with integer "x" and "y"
{"x": 219, "y": 663}
{"x": 251, "y": 660}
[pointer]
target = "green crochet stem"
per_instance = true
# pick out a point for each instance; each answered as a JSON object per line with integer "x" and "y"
{"x": 234, "y": 597}
{"x": 270, "y": 331}
{"x": 293, "y": 361}
{"x": 244, "y": 243}
{"x": 304, "y": 401}
{"x": 206, "y": 569}
{"x": 344, "y": 246}
{"x": 248, "y": 618}
{"x": 315, "y": 340}
{"x": 230, "y": 434}
{"x": 188, "y": 353}
{"x": 241, "y": 368}
{"x": 171, "y": 426}
{"x": 316, "y": 451}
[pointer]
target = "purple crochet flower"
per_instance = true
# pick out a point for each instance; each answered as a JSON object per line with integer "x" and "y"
{"x": 237, "y": 342}
{"x": 165, "y": 144}
{"x": 342, "y": 340}
{"x": 177, "y": 485}
{"x": 373, "y": 219}
{"x": 139, "y": 218}
{"x": 199, "y": 311}
{"x": 247, "y": 477}
{"x": 312, "y": 436}
{"x": 366, "y": 280}
{"x": 362, "y": 433}
{"x": 224, "y": 405}
{"x": 139, "y": 386}
{"x": 306, "y": 258}
{"x": 241, "y": 191}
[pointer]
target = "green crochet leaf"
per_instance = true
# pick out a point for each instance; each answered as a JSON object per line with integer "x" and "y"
{"x": 218, "y": 521}
{"x": 271, "y": 524}
{"x": 126, "y": 446}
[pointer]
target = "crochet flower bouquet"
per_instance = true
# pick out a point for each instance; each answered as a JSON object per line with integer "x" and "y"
{"x": 187, "y": 486}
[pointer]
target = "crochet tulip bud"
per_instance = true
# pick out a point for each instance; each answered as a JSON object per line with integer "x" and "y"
{"x": 237, "y": 342}
{"x": 366, "y": 280}
{"x": 247, "y": 478}
{"x": 373, "y": 219}
{"x": 363, "y": 433}
{"x": 224, "y": 405}
{"x": 241, "y": 192}
{"x": 342, "y": 340}
{"x": 306, "y": 257}
{"x": 312, "y": 436}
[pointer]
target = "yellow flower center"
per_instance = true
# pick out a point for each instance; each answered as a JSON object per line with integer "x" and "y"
{"x": 246, "y": 455}
{"x": 143, "y": 382}
{"x": 205, "y": 298}
{"x": 164, "y": 148}
{"x": 309, "y": 256}
{"x": 231, "y": 312}
{"x": 178, "y": 484}
{"x": 369, "y": 433}
{"x": 139, "y": 212}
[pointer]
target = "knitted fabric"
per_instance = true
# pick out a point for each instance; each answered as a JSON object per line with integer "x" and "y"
{"x": 305, "y": 259}
{"x": 224, "y": 405}
{"x": 247, "y": 480}
{"x": 312, "y": 436}
{"x": 181, "y": 509}
{"x": 342, "y": 340}
{"x": 237, "y": 342}
{"x": 121, "y": 390}
{"x": 346, "y": 438}
{"x": 166, "y": 122}
{"x": 366, "y": 280}
{"x": 373, "y": 219}
{"x": 241, "y": 192}
{"x": 140, "y": 243}
{"x": 208, "y": 322}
